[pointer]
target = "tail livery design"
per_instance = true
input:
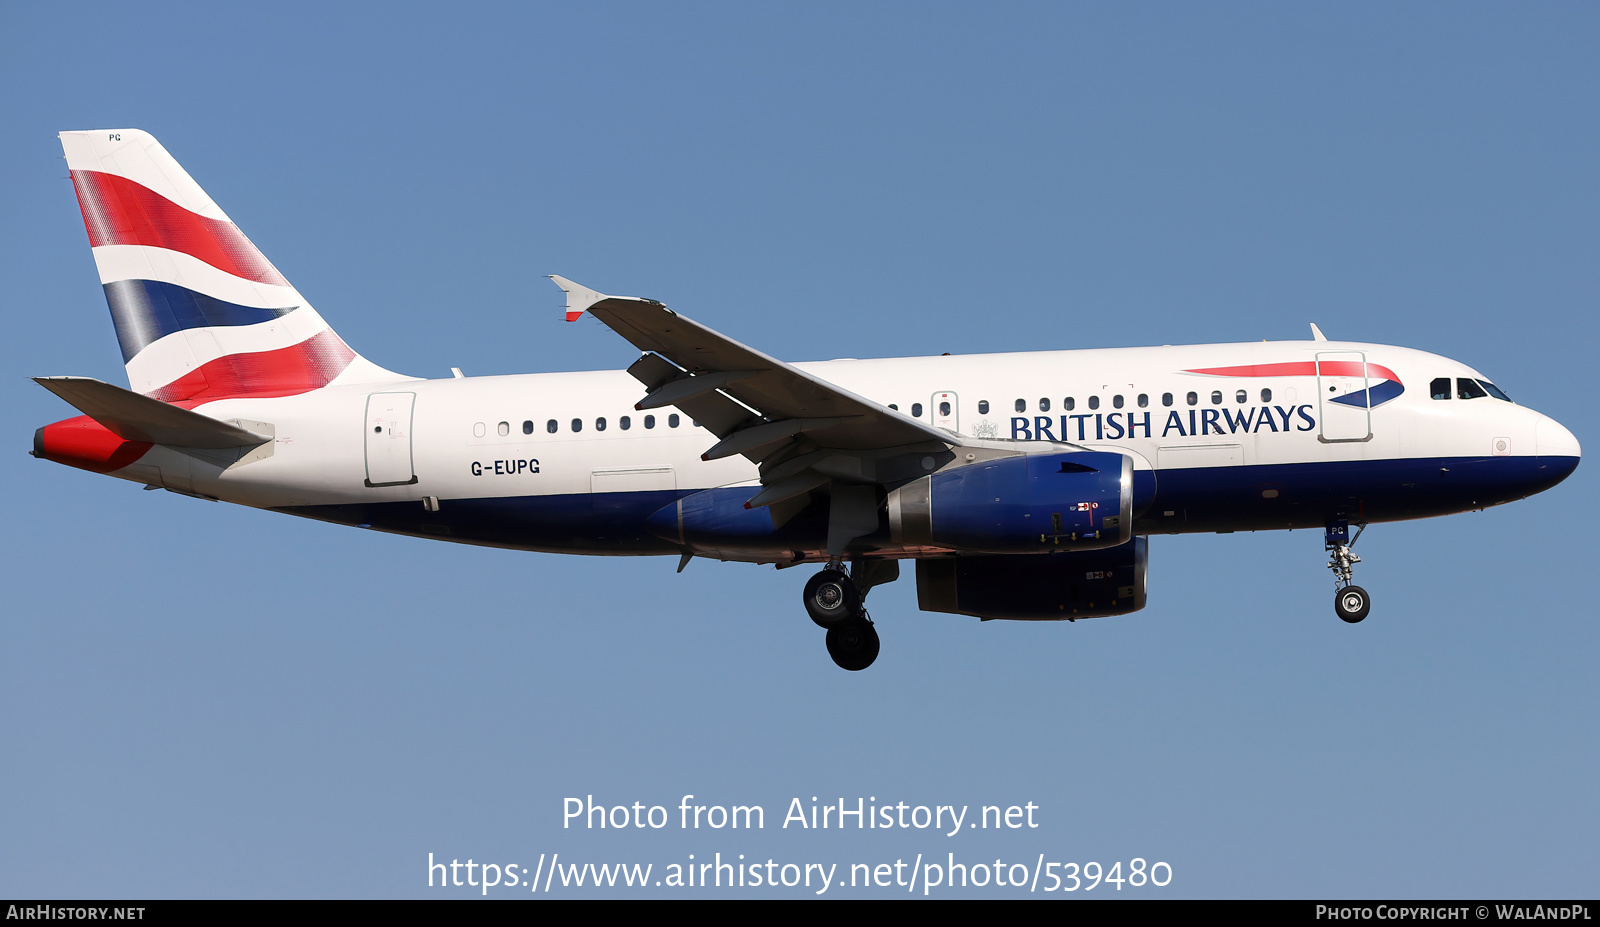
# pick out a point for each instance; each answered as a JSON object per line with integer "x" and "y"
{"x": 200, "y": 313}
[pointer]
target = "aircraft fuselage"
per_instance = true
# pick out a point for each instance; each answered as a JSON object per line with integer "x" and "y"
{"x": 562, "y": 462}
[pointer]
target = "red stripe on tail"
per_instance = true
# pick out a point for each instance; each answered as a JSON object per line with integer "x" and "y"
{"x": 299, "y": 368}
{"x": 118, "y": 211}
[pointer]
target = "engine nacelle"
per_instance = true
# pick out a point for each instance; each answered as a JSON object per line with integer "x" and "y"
{"x": 1037, "y": 587}
{"x": 1026, "y": 504}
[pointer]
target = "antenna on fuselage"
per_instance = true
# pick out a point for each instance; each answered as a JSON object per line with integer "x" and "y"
{"x": 1316, "y": 333}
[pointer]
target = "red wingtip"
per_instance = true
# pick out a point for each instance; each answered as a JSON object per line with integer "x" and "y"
{"x": 573, "y": 316}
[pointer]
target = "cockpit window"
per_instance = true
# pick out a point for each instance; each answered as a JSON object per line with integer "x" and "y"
{"x": 1469, "y": 389}
{"x": 1440, "y": 388}
{"x": 1494, "y": 391}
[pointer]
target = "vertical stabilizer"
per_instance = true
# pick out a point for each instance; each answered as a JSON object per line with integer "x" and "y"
{"x": 200, "y": 313}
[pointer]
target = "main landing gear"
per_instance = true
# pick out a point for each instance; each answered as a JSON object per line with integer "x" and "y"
{"x": 1350, "y": 602}
{"x": 833, "y": 600}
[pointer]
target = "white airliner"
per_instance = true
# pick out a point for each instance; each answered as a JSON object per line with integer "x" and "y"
{"x": 1023, "y": 485}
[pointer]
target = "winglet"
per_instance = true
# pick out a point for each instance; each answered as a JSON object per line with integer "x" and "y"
{"x": 1316, "y": 333}
{"x": 579, "y": 298}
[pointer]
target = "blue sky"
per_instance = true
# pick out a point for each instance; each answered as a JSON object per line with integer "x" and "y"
{"x": 207, "y": 701}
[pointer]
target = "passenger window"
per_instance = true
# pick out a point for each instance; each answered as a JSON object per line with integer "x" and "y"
{"x": 1022, "y": 405}
{"x": 1166, "y": 399}
{"x": 1116, "y": 401}
{"x": 944, "y": 408}
{"x": 478, "y": 430}
{"x": 672, "y": 420}
{"x": 1469, "y": 389}
{"x": 1069, "y": 403}
{"x": 504, "y": 429}
{"x": 527, "y": 427}
{"x": 983, "y": 407}
{"x": 1266, "y": 395}
{"x": 1143, "y": 400}
{"x": 1094, "y": 402}
{"x": 916, "y": 410}
{"x": 894, "y": 407}
{"x": 577, "y": 425}
{"x": 552, "y": 426}
{"x": 1216, "y": 397}
{"x": 1192, "y": 398}
{"x": 649, "y": 421}
{"x": 1044, "y": 405}
{"x": 1440, "y": 388}
{"x": 624, "y": 423}
{"x": 600, "y": 424}
{"x": 1241, "y": 397}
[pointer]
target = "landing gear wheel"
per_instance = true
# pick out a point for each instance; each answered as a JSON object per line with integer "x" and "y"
{"x": 832, "y": 599}
{"x": 853, "y": 644}
{"x": 1352, "y": 603}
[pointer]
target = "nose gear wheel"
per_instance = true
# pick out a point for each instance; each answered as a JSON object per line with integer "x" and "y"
{"x": 1350, "y": 602}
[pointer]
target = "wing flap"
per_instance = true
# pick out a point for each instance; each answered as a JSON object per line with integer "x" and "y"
{"x": 708, "y": 408}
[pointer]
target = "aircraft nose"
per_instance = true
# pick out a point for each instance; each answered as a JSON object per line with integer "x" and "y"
{"x": 1552, "y": 439}
{"x": 1557, "y": 448}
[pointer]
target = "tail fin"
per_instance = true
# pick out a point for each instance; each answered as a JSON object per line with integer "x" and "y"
{"x": 200, "y": 313}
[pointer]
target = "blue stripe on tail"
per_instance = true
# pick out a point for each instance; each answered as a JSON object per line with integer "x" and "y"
{"x": 144, "y": 311}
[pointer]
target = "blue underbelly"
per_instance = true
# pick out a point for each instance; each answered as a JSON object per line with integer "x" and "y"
{"x": 1202, "y": 499}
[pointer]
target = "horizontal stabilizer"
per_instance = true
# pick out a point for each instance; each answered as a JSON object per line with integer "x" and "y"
{"x": 133, "y": 417}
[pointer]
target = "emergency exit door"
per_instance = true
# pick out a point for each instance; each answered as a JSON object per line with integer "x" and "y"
{"x": 1344, "y": 397}
{"x": 388, "y": 432}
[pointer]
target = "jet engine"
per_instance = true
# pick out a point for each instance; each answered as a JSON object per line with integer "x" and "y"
{"x": 1037, "y": 587}
{"x": 1025, "y": 504}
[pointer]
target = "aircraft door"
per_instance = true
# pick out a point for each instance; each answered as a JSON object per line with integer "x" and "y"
{"x": 946, "y": 411}
{"x": 1343, "y": 397}
{"x": 388, "y": 432}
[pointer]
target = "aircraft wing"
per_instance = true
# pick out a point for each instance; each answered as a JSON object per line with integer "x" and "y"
{"x": 803, "y": 430}
{"x": 783, "y": 401}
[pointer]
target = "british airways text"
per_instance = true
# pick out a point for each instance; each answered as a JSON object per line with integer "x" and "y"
{"x": 1102, "y": 426}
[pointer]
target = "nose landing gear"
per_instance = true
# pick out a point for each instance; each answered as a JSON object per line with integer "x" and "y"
{"x": 834, "y": 601}
{"x": 1350, "y": 602}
